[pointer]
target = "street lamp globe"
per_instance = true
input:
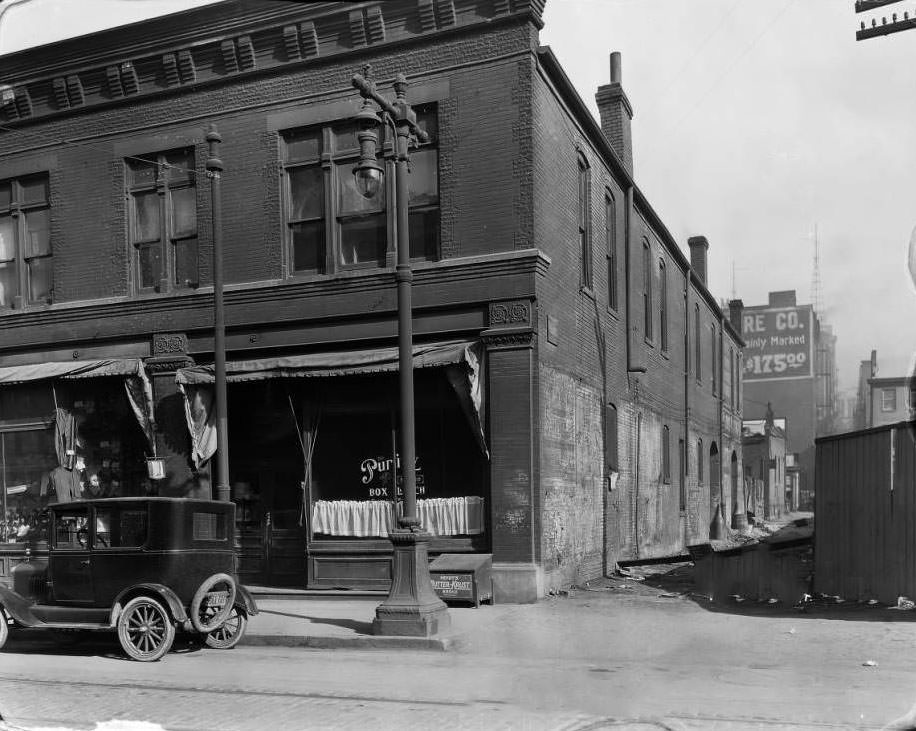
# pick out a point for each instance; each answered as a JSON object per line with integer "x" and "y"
{"x": 368, "y": 172}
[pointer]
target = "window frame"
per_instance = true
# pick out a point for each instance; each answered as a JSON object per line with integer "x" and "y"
{"x": 336, "y": 160}
{"x": 169, "y": 239}
{"x": 18, "y": 212}
{"x": 584, "y": 210}
{"x": 713, "y": 360}
{"x": 666, "y": 454}
{"x": 610, "y": 240}
{"x": 885, "y": 392}
{"x": 697, "y": 345}
{"x": 663, "y": 303}
{"x": 647, "y": 289}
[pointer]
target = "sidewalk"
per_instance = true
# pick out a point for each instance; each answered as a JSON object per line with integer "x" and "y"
{"x": 304, "y": 619}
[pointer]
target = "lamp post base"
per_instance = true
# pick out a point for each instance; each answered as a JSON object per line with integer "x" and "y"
{"x": 412, "y": 609}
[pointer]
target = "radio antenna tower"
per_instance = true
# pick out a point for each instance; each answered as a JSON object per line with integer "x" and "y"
{"x": 816, "y": 292}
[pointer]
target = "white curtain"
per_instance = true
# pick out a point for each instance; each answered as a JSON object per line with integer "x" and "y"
{"x": 452, "y": 516}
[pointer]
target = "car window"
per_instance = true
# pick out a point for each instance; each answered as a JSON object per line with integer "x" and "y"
{"x": 118, "y": 528}
{"x": 71, "y": 529}
{"x": 209, "y": 526}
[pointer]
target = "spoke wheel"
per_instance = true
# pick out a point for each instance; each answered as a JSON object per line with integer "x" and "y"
{"x": 4, "y": 628}
{"x": 145, "y": 629}
{"x": 230, "y": 632}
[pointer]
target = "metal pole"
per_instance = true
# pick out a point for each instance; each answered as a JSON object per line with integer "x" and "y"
{"x": 214, "y": 172}
{"x": 404, "y": 278}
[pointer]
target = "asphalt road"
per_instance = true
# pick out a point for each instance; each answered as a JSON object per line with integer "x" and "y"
{"x": 598, "y": 659}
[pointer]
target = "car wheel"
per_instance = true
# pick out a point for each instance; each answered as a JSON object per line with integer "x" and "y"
{"x": 205, "y": 617}
{"x": 4, "y": 628}
{"x": 230, "y": 632}
{"x": 145, "y": 629}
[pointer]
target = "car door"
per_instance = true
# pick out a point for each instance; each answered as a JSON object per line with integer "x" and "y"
{"x": 71, "y": 558}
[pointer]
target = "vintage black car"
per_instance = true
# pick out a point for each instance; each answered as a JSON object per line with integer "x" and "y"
{"x": 141, "y": 566}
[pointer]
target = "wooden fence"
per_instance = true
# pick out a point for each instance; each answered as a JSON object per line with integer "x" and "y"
{"x": 865, "y": 514}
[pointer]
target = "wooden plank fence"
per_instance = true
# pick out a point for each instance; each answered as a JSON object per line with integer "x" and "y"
{"x": 865, "y": 514}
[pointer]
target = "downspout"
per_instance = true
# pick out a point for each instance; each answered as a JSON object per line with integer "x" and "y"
{"x": 634, "y": 362}
{"x": 720, "y": 405}
{"x": 686, "y": 457}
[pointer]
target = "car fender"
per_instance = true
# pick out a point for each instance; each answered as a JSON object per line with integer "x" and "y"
{"x": 18, "y": 607}
{"x": 244, "y": 600}
{"x": 160, "y": 591}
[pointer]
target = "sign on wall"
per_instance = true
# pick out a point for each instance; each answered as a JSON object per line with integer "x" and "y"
{"x": 779, "y": 342}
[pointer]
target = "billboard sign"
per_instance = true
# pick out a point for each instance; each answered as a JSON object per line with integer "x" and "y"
{"x": 780, "y": 342}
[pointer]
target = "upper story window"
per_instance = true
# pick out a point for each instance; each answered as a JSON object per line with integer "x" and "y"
{"x": 330, "y": 226}
{"x": 713, "y": 359}
{"x": 888, "y": 399}
{"x": 731, "y": 372}
{"x": 610, "y": 240}
{"x": 647, "y": 289}
{"x": 585, "y": 233}
{"x": 696, "y": 343}
{"x": 663, "y": 302}
{"x": 162, "y": 188}
{"x": 25, "y": 242}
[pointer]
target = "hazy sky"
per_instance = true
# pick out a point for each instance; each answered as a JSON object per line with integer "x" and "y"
{"x": 755, "y": 123}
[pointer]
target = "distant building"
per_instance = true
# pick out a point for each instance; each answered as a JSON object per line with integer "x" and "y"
{"x": 882, "y": 400}
{"x": 790, "y": 363}
{"x": 764, "y": 446}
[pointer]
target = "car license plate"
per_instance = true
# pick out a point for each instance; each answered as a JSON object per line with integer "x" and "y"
{"x": 217, "y": 599}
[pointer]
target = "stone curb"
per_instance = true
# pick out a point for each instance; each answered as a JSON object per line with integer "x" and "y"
{"x": 381, "y": 642}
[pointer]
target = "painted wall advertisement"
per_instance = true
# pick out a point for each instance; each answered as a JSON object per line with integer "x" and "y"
{"x": 779, "y": 342}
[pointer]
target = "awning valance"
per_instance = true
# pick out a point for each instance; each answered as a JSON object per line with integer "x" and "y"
{"x": 72, "y": 369}
{"x": 336, "y": 363}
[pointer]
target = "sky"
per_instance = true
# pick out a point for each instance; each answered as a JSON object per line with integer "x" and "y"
{"x": 763, "y": 126}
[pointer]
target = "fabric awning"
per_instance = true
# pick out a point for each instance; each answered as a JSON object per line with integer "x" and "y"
{"x": 72, "y": 369}
{"x": 136, "y": 384}
{"x": 461, "y": 360}
{"x": 337, "y": 363}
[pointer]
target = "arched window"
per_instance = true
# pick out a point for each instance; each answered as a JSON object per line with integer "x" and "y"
{"x": 666, "y": 454}
{"x": 585, "y": 238}
{"x": 699, "y": 461}
{"x": 610, "y": 241}
{"x": 663, "y": 302}
{"x": 647, "y": 288}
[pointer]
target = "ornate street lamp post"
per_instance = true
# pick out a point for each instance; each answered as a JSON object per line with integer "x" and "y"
{"x": 214, "y": 171}
{"x": 412, "y": 606}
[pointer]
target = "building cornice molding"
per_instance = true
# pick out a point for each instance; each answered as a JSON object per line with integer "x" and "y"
{"x": 223, "y": 42}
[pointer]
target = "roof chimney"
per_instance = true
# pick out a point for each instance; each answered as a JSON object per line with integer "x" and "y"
{"x": 735, "y": 312}
{"x": 616, "y": 114}
{"x": 698, "y": 248}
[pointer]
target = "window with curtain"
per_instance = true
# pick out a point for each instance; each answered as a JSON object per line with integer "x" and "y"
{"x": 26, "y": 276}
{"x": 162, "y": 188}
{"x": 329, "y": 225}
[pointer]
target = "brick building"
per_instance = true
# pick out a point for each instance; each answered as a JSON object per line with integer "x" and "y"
{"x": 578, "y": 388}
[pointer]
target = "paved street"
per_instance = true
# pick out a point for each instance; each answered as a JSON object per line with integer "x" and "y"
{"x": 605, "y": 658}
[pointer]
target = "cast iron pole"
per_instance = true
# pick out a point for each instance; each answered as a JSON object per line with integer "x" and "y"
{"x": 214, "y": 172}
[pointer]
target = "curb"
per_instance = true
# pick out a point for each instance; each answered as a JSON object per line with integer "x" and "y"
{"x": 381, "y": 642}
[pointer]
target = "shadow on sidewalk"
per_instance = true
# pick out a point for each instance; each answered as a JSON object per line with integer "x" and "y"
{"x": 352, "y": 624}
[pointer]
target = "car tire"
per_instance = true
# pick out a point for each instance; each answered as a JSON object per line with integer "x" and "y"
{"x": 4, "y": 628}
{"x": 207, "y": 624}
{"x": 145, "y": 629}
{"x": 230, "y": 632}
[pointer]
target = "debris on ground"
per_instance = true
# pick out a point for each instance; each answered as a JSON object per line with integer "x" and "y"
{"x": 904, "y": 603}
{"x": 870, "y": 664}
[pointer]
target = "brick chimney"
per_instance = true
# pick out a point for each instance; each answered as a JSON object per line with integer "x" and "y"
{"x": 698, "y": 248}
{"x": 616, "y": 115}
{"x": 735, "y": 311}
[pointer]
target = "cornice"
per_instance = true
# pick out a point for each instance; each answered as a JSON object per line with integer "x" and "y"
{"x": 353, "y": 289}
{"x": 223, "y": 42}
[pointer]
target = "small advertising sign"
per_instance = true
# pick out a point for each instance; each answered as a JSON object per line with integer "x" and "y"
{"x": 779, "y": 342}
{"x": 454, "y": 586}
